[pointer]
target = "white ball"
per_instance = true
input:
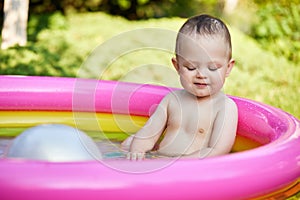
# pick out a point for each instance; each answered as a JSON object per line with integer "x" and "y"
{"x": 54, "y": 142}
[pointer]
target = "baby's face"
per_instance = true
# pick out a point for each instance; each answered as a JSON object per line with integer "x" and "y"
{"x": 203, "y": 64}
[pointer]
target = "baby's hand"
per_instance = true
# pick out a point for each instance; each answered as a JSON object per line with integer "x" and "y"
{"x": 135, "y": 156}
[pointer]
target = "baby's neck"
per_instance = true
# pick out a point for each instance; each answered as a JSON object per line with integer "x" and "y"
{"x": 209, "y": 97}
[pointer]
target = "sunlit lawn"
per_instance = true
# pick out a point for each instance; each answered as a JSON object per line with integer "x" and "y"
{"x": 59, "y": 46}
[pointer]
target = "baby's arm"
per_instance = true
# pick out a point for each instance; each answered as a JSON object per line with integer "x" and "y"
{"x": 145, "y": 139}
{"x": 223, "y": 133}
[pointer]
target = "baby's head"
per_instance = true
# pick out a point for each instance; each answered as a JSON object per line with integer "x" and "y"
{"x": 204, "y": 27}
{"x": 203, "y": 55}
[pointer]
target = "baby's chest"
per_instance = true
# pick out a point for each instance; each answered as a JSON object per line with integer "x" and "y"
{"x": 194, "y": 120}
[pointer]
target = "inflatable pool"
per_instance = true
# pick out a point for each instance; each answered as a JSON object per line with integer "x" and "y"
{"x": 265, "y": 162}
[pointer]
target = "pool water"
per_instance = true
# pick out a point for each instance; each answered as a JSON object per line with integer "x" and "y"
{"x": 109, "y": 149}
{"x": 110, "y": 145}
{"x": 4, "y": 142}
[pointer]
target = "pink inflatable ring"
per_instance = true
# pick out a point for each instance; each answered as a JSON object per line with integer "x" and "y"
{"x": 270, "y": 170}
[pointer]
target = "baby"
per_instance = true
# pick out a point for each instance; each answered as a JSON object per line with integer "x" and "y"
{"x": 199, "y": 120}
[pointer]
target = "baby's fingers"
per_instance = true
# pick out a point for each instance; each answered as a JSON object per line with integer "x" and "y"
{"x": 131, "y": 156}
{"x": 140, "y": 156}
{"x": 135, "y": 156}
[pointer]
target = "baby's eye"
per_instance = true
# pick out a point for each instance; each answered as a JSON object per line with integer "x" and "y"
{"x": 190, "y": 68}
{"x": 212, "y": 67}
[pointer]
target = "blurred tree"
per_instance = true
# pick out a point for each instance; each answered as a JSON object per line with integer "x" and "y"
{"x": 124, "y": 8}
{"x": 45, "y": 6}
{"x": 133, "y": 9}
{"x": 15, "y": 23}
{"x": 144, "y": 9}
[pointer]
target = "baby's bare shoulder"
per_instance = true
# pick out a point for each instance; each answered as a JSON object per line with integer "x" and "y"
{"x": 224, "y": 99}
{"x": 229, "y": 106}
{"x": 169, "y": 99}
{"x": 176, "y": 99}
{"x": 224, "y": 103}
{"x": 175, "y": 95}
{"x": 230, "y": 103}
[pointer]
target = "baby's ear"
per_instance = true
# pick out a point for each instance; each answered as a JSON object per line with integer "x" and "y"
{"x": 175, "y": 63}
{"x": 229, "y": 67}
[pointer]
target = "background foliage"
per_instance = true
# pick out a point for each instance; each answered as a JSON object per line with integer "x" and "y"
{"x": 277, "y": 28}
{"x": 274, "y": 24}
{"x": 130, "y": 9}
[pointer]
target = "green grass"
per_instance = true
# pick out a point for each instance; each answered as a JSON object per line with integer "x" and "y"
{"x": 59, "y": 46}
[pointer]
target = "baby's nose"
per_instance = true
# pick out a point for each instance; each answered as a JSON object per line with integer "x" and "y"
{"x": 200, "y": 73}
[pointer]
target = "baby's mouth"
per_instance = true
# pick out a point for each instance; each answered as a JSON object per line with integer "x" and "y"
{"x": 201, "y": 84}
